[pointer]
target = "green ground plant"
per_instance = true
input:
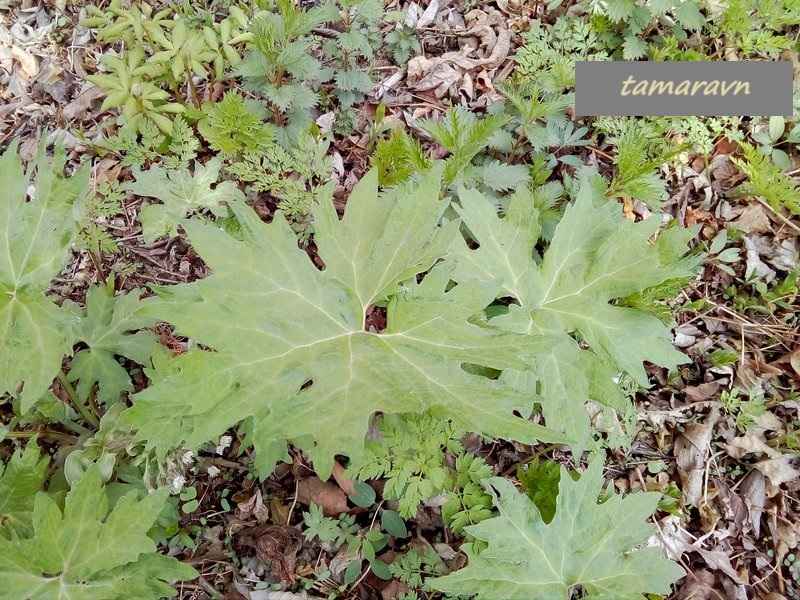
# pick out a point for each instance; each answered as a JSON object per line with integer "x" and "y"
{"x": 160, "y": 53}
{"x": 349, "y": 54}
{"x": 278, "y": 64}
{"x": 766, "y": 179}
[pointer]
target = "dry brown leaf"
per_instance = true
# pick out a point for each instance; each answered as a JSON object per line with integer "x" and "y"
{"x": 753, "y": 491}
{"x": 277, "y": 546}
{"x": 778, "y": 470}
{"x": 700, "y": 586}
{"x": 749, "y": 443}
{"x": 720, "y": 560}
{"x": 429, "y": 15}
{"x": 280, "y": 511}
{"x": 702, "y": 392}
{"x": 346, "y": 485}
{"x": 754, "y": 219}
{"x": 29, "y": 68}
{"x": 322, "y": 493}
{"x": 393, "y": 589}
{"x": 732, "y": 505}
{"x": 691, "y": 454}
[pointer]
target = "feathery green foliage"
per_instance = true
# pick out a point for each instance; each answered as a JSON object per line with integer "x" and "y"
{"x": 235, "y": 126}
{"x": 765, "y": 179}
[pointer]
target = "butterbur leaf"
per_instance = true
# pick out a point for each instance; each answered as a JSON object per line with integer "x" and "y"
{"x": 22, "y": 477}
{"x": 584, "y": 545}
{"x": 108, "y": 330}
{"x": 181, "y": 192}
{"x": 291, "y": 353}
{"x": 36, "y": 237}
{"x": 86, "y": 551}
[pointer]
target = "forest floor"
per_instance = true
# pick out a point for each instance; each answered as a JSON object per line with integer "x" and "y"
{"x": 719, "y": 438}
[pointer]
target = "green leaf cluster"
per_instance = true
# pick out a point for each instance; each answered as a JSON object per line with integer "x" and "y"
{"x": 595, "y": 257}
{"x": 297, "y": 177}
{"x": 344, "y": 531}
{"x": 109, "y": 328}
{"x": 759, "y": 28}
{"x": 279, "y": 63}
{"x": 283, "y": 371}
{"x": 236, "y": 127}
{"x": 82, "y": 547}
{"x": 631, "y": 31}
{"x": 159, "y": 54}
{"x": 641, "y": 149}
{"x": 181, "y": 193}
{"x": 353, "y": 47}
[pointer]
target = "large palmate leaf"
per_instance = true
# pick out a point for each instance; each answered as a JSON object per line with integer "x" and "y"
{"x": 181, "y": 192}
{"x": 290, "y": 350}
{"x": 86, "y": 552}
{"x": 35, "y": 237}
{"x": 22, "y": 477}
{"x": 108, "y": 329}
{"x": 586, "y": 544}
{"x": 596, "y": 256}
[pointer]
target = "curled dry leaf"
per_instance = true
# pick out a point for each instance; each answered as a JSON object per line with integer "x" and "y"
{"x": 429, "y": 15}
{"x": 778, "y": 470}
{"x": 254, "y": 507}
{"x": 753, "y": 491}
{"x": 345, "y": 484}
{"x": 446, "y": 74}
{"x": 691, "y": 453}
{"x": 276, "y": 546}
{"x": 325, "y": 494}
{"x": 701, "y": 586}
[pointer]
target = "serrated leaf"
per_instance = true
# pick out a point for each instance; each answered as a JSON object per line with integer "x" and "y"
{"x": 22, "y": 477}
{"x": 596, "y": 256}
{"x": 583, "y": 545}
{"x": 621, "y": 10}
{"x": 502, "y": 177}
{"x": 689, "y": 16}
{"x": 181, "y": 193}
{"x": 86, "y": 551}
{"x": 291, "y": 350}
{"x": 106, "y": 330}
{"x": 633, "y": 48}
{"x": 36, "y": 237}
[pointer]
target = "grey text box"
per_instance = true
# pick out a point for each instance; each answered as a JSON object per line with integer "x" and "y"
{"x": 671, "y": 89}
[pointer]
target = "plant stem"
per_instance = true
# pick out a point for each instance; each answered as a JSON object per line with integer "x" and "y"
{"x": 53, "y": 435}
{"x": 79, "y": 406}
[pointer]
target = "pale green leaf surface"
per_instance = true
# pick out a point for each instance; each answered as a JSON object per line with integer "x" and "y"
{"x": 109, "y": 329}
{"x": 35, "y": 238}
{"x": 278, "y": 324}
{"x": 181, "y": 192}
{"x": 596, "y": 256}
{"x": 584, "y": 545}
{"x": 23, "y": 476}
{"x": 86, "y": 553}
